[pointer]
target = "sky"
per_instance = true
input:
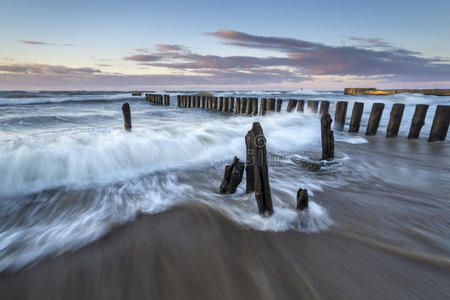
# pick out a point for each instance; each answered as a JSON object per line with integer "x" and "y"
{"x": 223, "y": 45}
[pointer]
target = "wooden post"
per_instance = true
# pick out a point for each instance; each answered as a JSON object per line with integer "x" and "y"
{"x": 178, "y": 101}
{"x": 418, "y": 121}
{"x": 357, "y": 112}
{"x": 327, "y": 137}
{"x": 243, "y": 105}
{"x": 301, "y": 105}
{"x": 312, "y": 106}
{"x": 126, "y": 116}
{"x": 302, "y": 199}
{"x": 257, "y": 142}
{"x": 395, "y": 120}
{"x": 248, "y": 109}
{"x": 254, "y": 106}
{"x": 208, "y": 102}
{"x": 231, "y": 104}
{"x": 199, "y": 99}
{"x": 166, "y": 100}
{"x": 270, "y": 105}
{"x": 291, "y": 105}
{"x": 262, "y": 107}
{"x": 324, "y": 107}
{"x": 225, "y": 104}
{"x": 203, "y": 101}
{"x": 374, "y": 119}
{"x": 340, "y": 115}
{"x": 232, "y": 177}
{"x": 237, "y": 106}
{"x": 196, "y": 101}
{"x": 215, "y": 102}
{"x": 220, "y": 107}
{"x": 189, "y": 104}
{"x": 279, "y": 104}
{"x": 441, "y": 121}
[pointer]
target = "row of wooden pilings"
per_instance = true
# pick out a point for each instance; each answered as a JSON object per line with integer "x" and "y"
{"x": 158, "y": 99}
{"x": 249, "y": 106}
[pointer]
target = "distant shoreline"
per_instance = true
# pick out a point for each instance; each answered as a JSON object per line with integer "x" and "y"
{"x": 374, "y": 91}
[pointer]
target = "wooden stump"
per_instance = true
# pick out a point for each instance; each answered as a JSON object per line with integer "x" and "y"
{"x": 237, "y": 106}
{"x": 324, "y": 107}
{"x": 441, "y": 121}
{"x": 256, "y": 143}
{"x": 301, "y": 105}
{"x": 418, "y": 121}
{"x": 312, "y": 106}
{"x": 178, "y": 101}
{"x": 232, "y": 177}
{"x": 166, "y": 100}
{"x": 231, "y": 104}
{"x": 126, "y": 116}
{"x": 248, "y": 109}
{"x": 340, "y": 115}
{"x": 327, "y": 137}
{"x": 374, "y": 119}
{"x": 270, "y": 106}
{"x": 243, "y": 106}
{"x": 279, "y": 104}
{"x": 225, "y": 104}
{"x": 262, "y": 107}
{"x": 357, "y": 112}
{"x": 291, "y": 105}
{"x": 302, "y": 199}
{"x": 254, "y": 106}
{"x": 395, "y": 120}
{"x": 203, "y": 102}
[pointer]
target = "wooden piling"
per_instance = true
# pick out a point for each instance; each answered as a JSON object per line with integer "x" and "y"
{"x": 357, "y": 112}
{"x": 279, "y": 104}
{"x": 340, "y": 115}
{"x": 302, "y": 198}
{"x": 199, "y": 100}
{"x": 220, "y": 103}
{"x": 231, "y": 104}
{"x": 248, "y": 109}
{"x": 215, "y": 103}
{"x": 312, "y": 106}
{"x": 395, "y": 119}
{"x": 203, "y": 101}
{"x": 254, "y": 106}
{"x": 226, "y": 101}
{"x": 324, "y": 107}
{"x": 441, "y": 121}
{"x": 327, "y": 136}
{"x": 126, "y": 116}
{"x": 262, "y": 107}
{"x": 418, "y": 121}
{"x": 291, "y": 105}
{"x": 271, "y": 103}
{"x": 243, "y": 106}
{"x": 374, "y": 119}
{"x": 232, "y": 177}
{"x": 301, "y": 106}
{"x": 256, "y": 147}
{"x": 166, "y": 100}
{"x": 178, "y": 101}
{"x": 237, "y": 106}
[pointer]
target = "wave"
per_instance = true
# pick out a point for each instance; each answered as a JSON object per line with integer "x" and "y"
{"x": 62, "y": 97}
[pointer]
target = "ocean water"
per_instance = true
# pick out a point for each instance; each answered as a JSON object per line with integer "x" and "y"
{"x": 70, "y": 172}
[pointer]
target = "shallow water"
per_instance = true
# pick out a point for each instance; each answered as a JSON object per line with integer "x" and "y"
{"x": 71, "y": 173}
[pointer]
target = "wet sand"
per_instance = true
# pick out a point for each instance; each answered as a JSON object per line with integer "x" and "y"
{"x": 388, "y": 241}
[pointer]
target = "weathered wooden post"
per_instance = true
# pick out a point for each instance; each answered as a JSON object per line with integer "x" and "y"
{"x": 312, "y": 106}
{"x": 441, "y": 121}
{"x": 395, "y": 120}
{"x": 199, "y": 100}
{"x": 231, "y": 104}
{"x": 271, "y": 103}
{"x": 248, "y": 109}
{"x": 243, "y": 105}
{"x": 324, "y": 107}
{"x": 374, "y": 119}
{"x": 357, "y": 112}
{"x": 254, "y": 106}
{"x": 237, "y": 106}
{"x": 189, "y": 101}
{"x": 279, "y": 104}
{"x": 166, "y": 100}
{"x": 208, "y": 102}
{"x": 302, "y": 199}
{"x": 225, "y": 104}
{"x": 220, "y": 103}
{"x": 256, "y": 147}
{"x": 340, "y": 115}
{"x": 262, "y": 107}
{"x": 178, "y": 101}
{"x": 301, "y": 106}
{"x": 215, "y": 102}
{"x": 418, "y": 121}
{"x": 203, "y": 101}
{"x": 232, "y": 177}
{"x": 327, "y": 137}
{"x": 126, "y": 116}
{"x": 196, "y": 101}
{"x": 291, "y": 105}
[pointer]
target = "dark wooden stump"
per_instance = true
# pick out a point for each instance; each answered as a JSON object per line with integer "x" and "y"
{"x": 395, "y": 120}
{"x": 126, "y": 116}
{"x": 312, "y": 106}
{"x": 327, "y": 137}
{"x": 248, "y": 109}
{"x": 357, "y": 112}
{"x": 220, "y": 107}
{"x": 232, "y": 177}
{"x": 270, "y": 106}
{"x": 291, "y": 105}
{"x": 279, "y": 104}
{"x": 302, "y": 199}
{"x": 262, "y": 107}
{"x": 237, "y": 106}
{"x": 418, "y": 121}
{"x": 256, "y": 143}
{"x": 301, "y": 105}
{"x": 243, "y": 106}
{"x": 441, "y": 121}
{"x": 231, "y": 104}
{"x": 340, "y": 115}
{"x": 254, "y": 106}
{"x": 374, "y": 119}
{"x": 203, "y": 101}
{"x": 166, "y": 100}
{"x": 225, "y": 104}
{"x": 324, "y": 107}
{"x": 178, "y": 101}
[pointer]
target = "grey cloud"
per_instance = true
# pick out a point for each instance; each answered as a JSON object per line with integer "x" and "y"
{"x": 45, "y": 69}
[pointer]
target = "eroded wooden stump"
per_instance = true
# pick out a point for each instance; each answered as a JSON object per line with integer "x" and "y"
{"x": 312, "y": 106}
{"x": 395, "y": 120}
{"x": 441, "y": 121}
{"x": 327, "y": 137}
{"x": 357, "y": 112}
{"x": 232, "y": 177}
{"x": 291, "y": 105}
{"x": 340, "y": 115}
{"x": 324, "y": 107}
{"x": 374, "y": 119}
{"x": 302, "y": 199}
{"x": 126, "y": 116}
{"x": 301, "y": 105}
{"x": 418, "y": 121}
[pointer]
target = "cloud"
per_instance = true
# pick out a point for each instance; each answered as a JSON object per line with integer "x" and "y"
{"x": 143, "y": 57}
{"x": 45, "y": 69}
{"x": 27, "y": 42}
